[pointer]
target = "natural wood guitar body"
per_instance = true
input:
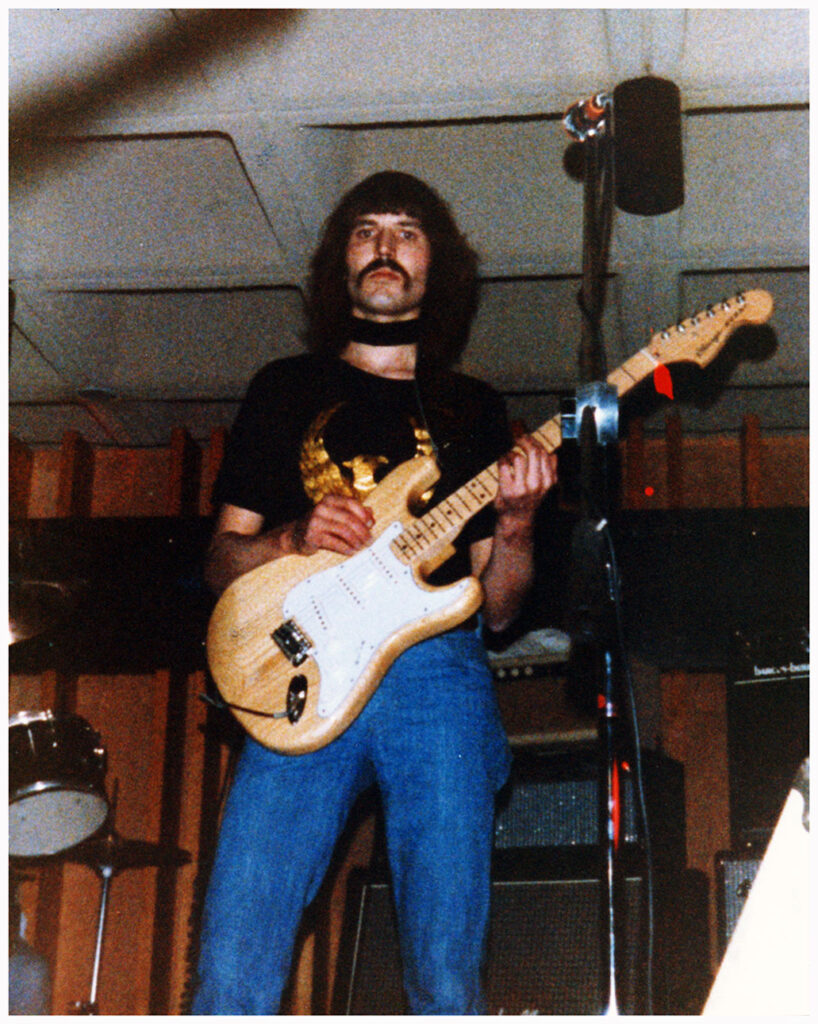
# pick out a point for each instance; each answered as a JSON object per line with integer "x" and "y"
{"x": 253, "y": 672}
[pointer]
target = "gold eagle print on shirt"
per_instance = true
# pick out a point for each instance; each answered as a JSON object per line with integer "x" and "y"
{"x": 355, "y": 477}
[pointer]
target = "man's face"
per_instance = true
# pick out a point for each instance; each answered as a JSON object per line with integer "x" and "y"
{"x": 387, "y": 260}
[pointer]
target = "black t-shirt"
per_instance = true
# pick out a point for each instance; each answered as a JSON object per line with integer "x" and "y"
{"x": 311, "y": 425}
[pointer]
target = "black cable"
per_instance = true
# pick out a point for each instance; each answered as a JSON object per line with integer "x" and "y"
{"x": 222, "y": 705}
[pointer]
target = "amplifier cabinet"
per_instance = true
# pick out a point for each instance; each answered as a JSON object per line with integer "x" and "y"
{"x": 544, "y": 948}
{"x": 735, "y": 873}
{"x": 767, "y": 728}
{"x": 551, "y": 801}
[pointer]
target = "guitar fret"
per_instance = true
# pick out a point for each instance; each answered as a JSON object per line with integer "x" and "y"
{"x": 435, "y": 522}
{"x": 555, "y": 427}
{"x": 406, "y": 544}
{"x": 461, "y": 497}
{"x": 424, "y": 532}
{"x": 478, "y": 489}
{"x": 624, "y": 369}
{"x": 416, "y": 532}
{"x": 631, "y": 370}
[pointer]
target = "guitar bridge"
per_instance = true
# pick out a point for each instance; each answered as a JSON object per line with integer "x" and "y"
{"x": 293, "y": 643}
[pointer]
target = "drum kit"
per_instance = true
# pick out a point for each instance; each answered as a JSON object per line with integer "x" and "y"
{"x": 58, "y": 805}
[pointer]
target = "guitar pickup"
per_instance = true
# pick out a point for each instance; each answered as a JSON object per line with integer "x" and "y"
{"x": 293, "y": 643}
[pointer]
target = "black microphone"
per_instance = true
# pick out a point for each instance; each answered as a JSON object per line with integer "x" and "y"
{"x": 586, "y": 118}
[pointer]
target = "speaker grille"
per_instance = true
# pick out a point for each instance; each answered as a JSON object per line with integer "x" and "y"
{"x": 544, "y": 949}
{"x": 735, "y": 876}
{"x": 543, "y": 954}
{"x": 553, "y": 813}
{"x": 552, "y": 801}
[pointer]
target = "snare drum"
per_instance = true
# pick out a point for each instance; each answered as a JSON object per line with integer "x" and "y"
{"x": 56, "y": 782}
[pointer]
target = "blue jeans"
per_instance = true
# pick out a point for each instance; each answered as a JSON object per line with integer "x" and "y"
{"x": 432, "y": 739}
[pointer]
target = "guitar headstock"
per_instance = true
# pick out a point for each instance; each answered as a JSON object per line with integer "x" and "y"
{"x": 700, "y": 338}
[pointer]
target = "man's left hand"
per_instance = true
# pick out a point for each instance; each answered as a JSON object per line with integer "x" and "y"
{"x": 526, "y": 474}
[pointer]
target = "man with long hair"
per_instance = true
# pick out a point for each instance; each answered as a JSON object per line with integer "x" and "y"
{"x": 391, "y": 296}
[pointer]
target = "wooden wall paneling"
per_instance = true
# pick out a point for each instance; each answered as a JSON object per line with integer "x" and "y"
{"x": 655, "y": 472}
{"x": 131, "y": 482}
{"x": 189, "y": 879}
{"x": 694, "y": 729}
{"x": 184, "y": 473}
{"x": 170, "y": 800}
{"x": 75, "y": 920}
{"x": 712, "y": 472}
{"x": 674, "y": 461}
{"x": 785, "y": 471}
{"x": 45, "y": 473}
{"x": 182, "y": 496}
{"x": 34, "y": 692}
{"x": 119, "y": 473}
{"x": 720, "y": 471}
{"x": 151, "y": 755}
{"x": 751, "y": 493}
{"x": 21, "y": 461}
{"x": 299, "y": 997}
{"x": 76, "y": 476}
{"x": 75, "y": 933}
{"x": 633, "y": 468}
{"x": 212, "y": 460}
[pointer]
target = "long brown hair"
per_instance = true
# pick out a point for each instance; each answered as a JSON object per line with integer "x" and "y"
{"x": 450, "y": 301}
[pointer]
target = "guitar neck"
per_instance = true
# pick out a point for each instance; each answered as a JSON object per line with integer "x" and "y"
{"x": 445, "y": 521}
{"x": 696, "y": 339}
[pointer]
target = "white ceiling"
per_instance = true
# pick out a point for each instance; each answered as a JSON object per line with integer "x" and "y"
{"x": 170, "y": 170}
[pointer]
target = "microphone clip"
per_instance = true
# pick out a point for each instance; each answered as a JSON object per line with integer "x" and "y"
{"x": 587, "y": 118}
{"x": 602, "y": 399}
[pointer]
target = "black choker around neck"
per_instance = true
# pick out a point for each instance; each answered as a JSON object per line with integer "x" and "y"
{"x": 396, "y": 332}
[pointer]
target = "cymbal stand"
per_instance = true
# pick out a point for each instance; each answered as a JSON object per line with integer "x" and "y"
{"x": 90, "y": 1007}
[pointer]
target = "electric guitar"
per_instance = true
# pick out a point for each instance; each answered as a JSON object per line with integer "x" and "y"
{"x": 298, "y": 646}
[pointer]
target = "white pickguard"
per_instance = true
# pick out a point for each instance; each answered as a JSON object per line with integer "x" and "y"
{"x": 350, "y": 610}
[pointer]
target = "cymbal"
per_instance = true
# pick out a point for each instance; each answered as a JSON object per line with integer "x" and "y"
{"x": 111, "y": 850}
{"x": 36, "y": 606}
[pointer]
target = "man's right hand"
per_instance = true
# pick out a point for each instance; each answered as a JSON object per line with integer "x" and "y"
{"x": 337, "y": 523}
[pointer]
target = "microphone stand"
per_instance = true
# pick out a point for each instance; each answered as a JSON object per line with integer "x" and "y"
{"x": 594, "y": 422}
{"x": 593, "y": 627}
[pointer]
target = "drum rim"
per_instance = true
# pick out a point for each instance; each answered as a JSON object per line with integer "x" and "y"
{"x": 53, "y": 785}
{"x": 26, "y": 717}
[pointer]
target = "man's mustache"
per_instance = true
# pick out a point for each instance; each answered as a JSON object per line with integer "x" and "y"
{"x": 379, "y": 264}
